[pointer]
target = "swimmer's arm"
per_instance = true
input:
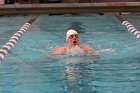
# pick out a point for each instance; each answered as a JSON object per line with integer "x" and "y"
{"x": 49, "y": 56}
{"x": 90, "y": 50}
{"x": 58, "y": 51}
{"x": 95, "y": 54}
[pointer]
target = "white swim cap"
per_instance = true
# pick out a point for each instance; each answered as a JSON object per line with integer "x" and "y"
{"x": 70, "y": 32}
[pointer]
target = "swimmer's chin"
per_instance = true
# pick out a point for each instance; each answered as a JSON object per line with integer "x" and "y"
{"x": 75, "y": 44}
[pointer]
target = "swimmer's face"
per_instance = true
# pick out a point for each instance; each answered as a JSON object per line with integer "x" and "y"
{"x": 73, "y": 40}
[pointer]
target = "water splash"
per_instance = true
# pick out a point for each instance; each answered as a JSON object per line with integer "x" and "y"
{"x": 75, "y": 51}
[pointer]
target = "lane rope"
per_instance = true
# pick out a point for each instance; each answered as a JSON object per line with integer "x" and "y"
{"x": 129, "y": 26}
{"x": 132, "y": 29}
{"x": 6, "y": 48}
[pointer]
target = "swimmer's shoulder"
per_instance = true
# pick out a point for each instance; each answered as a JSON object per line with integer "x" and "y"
{"x": 56, "y": 51}
{"x": 59, "y": 50}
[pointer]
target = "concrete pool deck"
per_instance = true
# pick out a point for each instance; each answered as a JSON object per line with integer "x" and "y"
{"x": 65, "y": 8}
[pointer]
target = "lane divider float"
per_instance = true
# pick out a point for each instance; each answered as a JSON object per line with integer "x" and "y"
{"x": 129, "y": 26}
{"x": 6, "y": 48}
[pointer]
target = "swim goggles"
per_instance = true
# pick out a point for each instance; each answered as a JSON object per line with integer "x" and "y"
{"x": 73, "y": 36}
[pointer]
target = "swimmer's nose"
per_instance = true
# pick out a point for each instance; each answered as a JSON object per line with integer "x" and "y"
{"x": 74, "y": 37}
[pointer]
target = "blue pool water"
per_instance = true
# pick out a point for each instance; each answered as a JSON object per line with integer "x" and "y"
{"x": 25, "y": 69}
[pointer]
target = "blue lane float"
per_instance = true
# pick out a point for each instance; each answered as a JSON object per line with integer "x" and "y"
{"x": 129, "y": 26}
{"x": 6, "y": 48}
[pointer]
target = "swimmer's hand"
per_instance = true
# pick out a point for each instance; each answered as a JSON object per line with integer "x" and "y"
{"x": 96, "y": 57}
{"x": 49, "y": 56}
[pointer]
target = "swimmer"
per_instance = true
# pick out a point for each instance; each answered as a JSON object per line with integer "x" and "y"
{"x": 72, "y": 41}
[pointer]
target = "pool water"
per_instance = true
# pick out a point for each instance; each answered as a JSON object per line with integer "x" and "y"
{"x": 25, "y": 69}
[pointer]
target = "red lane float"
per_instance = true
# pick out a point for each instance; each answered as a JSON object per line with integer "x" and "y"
{"x": 6, "y": 48}
{"x": 129, "y": 26}
{"x": 132, "y": 29}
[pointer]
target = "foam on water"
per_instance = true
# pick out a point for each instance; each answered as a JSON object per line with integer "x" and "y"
{"x": 75, "y": 55}
{"x": 75, "y": 51}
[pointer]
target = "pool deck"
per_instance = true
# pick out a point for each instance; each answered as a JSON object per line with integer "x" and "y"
{"x": 72, "y": 8}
